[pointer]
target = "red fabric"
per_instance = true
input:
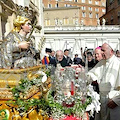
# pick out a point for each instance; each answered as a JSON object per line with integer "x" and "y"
{"x": 71, "y": 118}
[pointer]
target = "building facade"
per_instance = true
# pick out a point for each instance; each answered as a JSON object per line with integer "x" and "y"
{"x": 75, "y": 38}
{"x": 112, "y": 15}
{"x": 73, "y": 12}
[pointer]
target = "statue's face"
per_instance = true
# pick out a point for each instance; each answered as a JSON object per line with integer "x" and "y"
{"x": 27, "y": 27}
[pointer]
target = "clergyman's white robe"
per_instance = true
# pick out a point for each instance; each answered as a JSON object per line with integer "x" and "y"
{"x": 107, "y": 73}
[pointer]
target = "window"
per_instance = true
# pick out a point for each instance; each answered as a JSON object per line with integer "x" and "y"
{"x": 96, "y": 2}
{"x": 83, "y": 14}
{"x": 118, "y": 20}
{"x": 90, "y": 1}
{"x": 118, "y": 13}
{"x": 96, "y": 9}
{"x": 103, "y": 4}
{"x": 49, "y": 5}
{"x": 56, "y": 5}
{"x": 83, "y": 8}
{"x": 66, "y": 21}
{"x": 68, "y": 5}
{"x": 112, "y": 17}
{"x": 97, "y": 15}
{"x": 103, "y": 10}
{"x": 90, "y": 15}
{"x": 118, "y": 2}
{"x": 83, "y": 1}
{"x": 90, "y": 8}
{"x": 111, "y": 1}
{"x": 76, "y": 0}
{"x": 65, "y": 5}
{"x": 106, "y": 21}
{"x": 47, "y": 22}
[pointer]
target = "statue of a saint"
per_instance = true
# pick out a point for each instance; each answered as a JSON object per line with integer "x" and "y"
{"x": 56, "y": 22}
{"x": 76, "y": 22}
{"x": 17, "y": 51}
{"x": 103, "y": 21}
{"x": 98, "y": 22}
{"x": 82, "y": 22}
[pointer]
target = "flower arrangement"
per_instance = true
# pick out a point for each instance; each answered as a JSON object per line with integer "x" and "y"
{"x": 73, "y": 96}
{"x": 69, "y": 97}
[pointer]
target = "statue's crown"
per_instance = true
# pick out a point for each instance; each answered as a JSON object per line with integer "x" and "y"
{"x": 26, "y": 12}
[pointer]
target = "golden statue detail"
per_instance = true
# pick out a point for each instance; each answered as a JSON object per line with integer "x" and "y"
{"x": 18, "y": 61}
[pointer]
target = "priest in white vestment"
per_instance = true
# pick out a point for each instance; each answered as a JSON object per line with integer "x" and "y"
{"x": 107, "y": 73}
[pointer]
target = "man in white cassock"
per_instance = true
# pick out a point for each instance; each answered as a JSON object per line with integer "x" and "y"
{"x": 107, "y": 73}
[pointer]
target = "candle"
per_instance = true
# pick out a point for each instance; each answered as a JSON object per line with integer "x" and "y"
{"x": 72, "y": 88}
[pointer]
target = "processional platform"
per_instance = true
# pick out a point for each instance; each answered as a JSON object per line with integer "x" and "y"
{"x": 10, "y": 78}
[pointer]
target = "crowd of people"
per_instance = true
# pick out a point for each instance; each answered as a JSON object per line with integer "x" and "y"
{"x": 63, "y": 57}
{"x": 103, "y": 73}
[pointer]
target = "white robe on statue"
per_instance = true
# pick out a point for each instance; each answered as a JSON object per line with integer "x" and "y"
{"x": 107, "y": 73}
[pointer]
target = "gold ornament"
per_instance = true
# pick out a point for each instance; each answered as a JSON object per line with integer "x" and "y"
{"x": 31, "y": 76}
{"x": 16, "y": 115}
{"x": 4, "y": 114}
{"x": 25, "y": 118}
{"x": 33, "y": 115}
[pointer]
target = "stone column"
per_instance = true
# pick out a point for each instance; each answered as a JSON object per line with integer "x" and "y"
{"x": 41, "y": 19}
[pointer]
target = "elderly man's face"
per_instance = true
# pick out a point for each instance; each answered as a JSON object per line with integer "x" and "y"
{"x": 98, "y": 54}
{"x": 59, "y": 55}
{"x": 106, "y": 51}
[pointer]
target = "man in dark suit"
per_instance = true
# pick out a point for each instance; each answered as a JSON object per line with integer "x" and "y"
{"x": 52, "y": 58}
{"x": 78, "y": 60}
{"x": 66, "y": 53}
{"x": 60, "y": 58}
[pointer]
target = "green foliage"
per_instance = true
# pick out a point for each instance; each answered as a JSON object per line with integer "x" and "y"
{"x": 78, "y": 106}
{"x": 49, "y": 105}
{"x": 21, "y": 90}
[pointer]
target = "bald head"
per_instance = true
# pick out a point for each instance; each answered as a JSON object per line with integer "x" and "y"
{"x": 107, "y": 51}
{"x": 98, "y": 54}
